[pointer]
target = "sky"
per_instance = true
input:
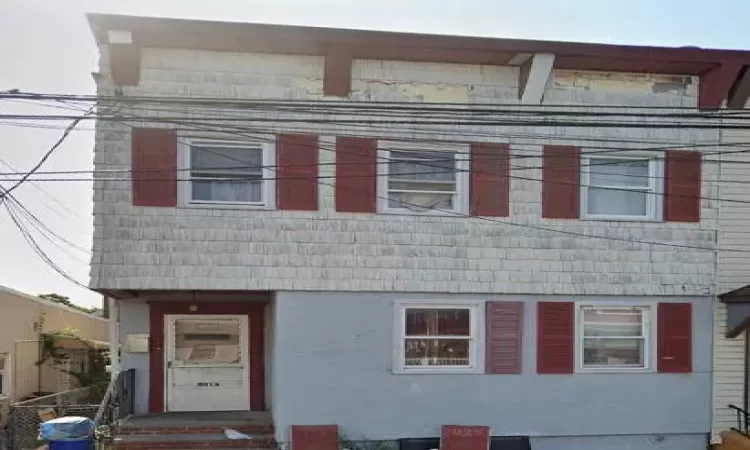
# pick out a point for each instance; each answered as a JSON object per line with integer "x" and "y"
{"x": 46, "y": 46}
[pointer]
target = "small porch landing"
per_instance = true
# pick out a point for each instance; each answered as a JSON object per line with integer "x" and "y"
{"x": 194, "y": 430}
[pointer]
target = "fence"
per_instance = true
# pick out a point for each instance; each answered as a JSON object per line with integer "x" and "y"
{"x": 4, "y": 410}
{"x": 22, "y": 428}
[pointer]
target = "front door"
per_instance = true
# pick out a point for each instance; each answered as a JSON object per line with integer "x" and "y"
{"x": 207, "y": 364}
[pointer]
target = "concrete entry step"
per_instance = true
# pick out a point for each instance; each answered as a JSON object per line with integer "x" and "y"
{"x": 190, "y": 441}
{"x": 195, "y": 430}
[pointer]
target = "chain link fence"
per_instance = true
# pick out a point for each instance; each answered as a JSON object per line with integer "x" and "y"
{"x": 22, "y": 425}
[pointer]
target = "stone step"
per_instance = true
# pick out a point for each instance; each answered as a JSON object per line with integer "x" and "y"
{"x": 190, "y": 441}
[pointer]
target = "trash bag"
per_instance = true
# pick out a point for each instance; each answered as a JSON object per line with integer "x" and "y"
{"x": 65, "y": 429}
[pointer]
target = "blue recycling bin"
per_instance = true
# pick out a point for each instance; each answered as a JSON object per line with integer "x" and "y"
{"x": 68, "y": 433}
{"x": 86, "y": 444}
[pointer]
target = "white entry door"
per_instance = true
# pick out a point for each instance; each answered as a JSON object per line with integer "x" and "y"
{"x": 207, "y": 363}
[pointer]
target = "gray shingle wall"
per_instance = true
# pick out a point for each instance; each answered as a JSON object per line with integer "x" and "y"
{"x": 189, "y": 248}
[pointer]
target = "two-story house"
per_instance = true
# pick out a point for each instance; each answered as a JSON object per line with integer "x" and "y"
{"x": 394, "y": 232}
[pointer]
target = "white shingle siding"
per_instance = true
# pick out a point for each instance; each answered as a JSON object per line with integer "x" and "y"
{"x": 184, "y": 248}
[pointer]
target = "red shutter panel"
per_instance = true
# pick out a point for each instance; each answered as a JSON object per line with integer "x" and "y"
{"x": 561, "y": 182}
{"x": 297, "y": 171}
{"x": 154, "y": 166}
{"x": 490, "y": 179}
{"x": 338, "y": 72}
{"x": 356, "y": 174}
{"x": 682, "y": 186}
{"x": 555, "y": 337}
{"x": 674, "y": 341}
{"x": 504, "y": 337}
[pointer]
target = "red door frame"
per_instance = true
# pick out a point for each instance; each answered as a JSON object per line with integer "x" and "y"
{"x": 255, "y": 319}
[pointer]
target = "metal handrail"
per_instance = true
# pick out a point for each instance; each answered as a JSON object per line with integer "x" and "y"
{"x": 743, "y": 420}
{"x": 118, "y": 399}
{"x": 105, "y": 401}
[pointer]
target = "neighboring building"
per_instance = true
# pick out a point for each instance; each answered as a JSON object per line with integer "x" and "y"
{"x": 732, "y": 316}
{"x": 320, "y": 282}
{"x": 23, "y": 322}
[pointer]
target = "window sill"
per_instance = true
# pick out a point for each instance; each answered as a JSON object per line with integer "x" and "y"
{"x": 244, "y": 206}
{"x": 436, "y": 371}
{"x": 431, "y": 213}
{"x": 619, "y": 219}
{"x": 614, "y": 370}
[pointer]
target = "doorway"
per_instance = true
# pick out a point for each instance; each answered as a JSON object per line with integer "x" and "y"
{"x": 207, "y": 363}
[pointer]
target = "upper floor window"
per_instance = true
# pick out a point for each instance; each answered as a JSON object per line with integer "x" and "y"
{"x": 621, "y": 188}
{"x": 614, "y": 337}
{"x": 229, "y": 173}
{"x": 437, "y": 337}
{"x": 423, "y": 181}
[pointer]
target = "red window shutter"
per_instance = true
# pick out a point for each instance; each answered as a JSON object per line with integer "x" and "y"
{"x": 682, "y": 186}
{"x": 504, "y": 337}
{"x": 555, "y": 337}
{"x": 490, "y": 179}
{"x": 297, "y": 171}
{"x": 338, "y": 72}
{"x": 356, "y": 174}
{"x": 154, "y": 166}
{"x": 561, "y": 182}
{"x": 674, "y": 341}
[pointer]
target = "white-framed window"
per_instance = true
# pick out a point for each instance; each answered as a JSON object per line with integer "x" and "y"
{"x": 438, "y": 337}
{"x": 614, "y": 337}
{"x": 227, "y": 173}
{"x": 4, "y": 374}
{"x": 621, "y": 188}
{"x": 422, "y": 179}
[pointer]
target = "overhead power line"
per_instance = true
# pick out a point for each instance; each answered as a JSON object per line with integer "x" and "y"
{"x": 40, "y": 189}
{"x": 46, "y": 156}
{"x": 256, "y": 138}
{"x": 26, "y": 234}
{"x": 348, "y": 103}
{"x": 493, "y": 123}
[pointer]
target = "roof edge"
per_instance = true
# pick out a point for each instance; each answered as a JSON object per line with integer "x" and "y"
{"x": 42, "y": 301}
{"x": 100, "y": 23}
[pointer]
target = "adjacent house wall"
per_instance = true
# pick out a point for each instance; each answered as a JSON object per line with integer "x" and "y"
{"x": 733, "y": 271}
{"x": 343, "y": 343}
{"x": 26, "y": 316}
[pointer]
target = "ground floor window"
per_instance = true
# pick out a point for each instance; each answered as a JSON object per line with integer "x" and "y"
{"x": 437, "y": 337}
{"x": 614, "y": 337}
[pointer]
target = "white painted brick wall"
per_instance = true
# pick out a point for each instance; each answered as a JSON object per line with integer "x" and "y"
{"x": 187, "y": 248}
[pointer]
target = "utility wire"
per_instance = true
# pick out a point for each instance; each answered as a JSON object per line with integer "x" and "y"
{"x": 538, "y": 228}
{"x": 493, "y": 123}
{"x": 387, "y": 159}
{"x": 35, "y": 245}
{"x": 46, "y": 156}
{"x": 527, "y": 226}
{"x": 417, "y": 173}
{"x": 224, "y": 101}
{"x": 534, "y": 137}
{"x": 40, "y": 189}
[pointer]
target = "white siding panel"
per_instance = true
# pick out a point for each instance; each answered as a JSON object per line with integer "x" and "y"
{"x": 733, "y": 271}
